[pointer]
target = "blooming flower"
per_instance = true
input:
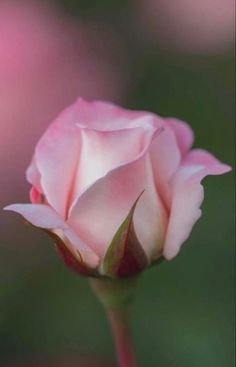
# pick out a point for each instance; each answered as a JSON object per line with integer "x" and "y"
{"x": 116, "y": 189}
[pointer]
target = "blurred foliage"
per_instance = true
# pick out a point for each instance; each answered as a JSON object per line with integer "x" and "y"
{"x": 184, "y": 311}
{"x": 93, "y": 7}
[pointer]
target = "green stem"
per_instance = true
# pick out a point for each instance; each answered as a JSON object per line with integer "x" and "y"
{"x": 122, "y": 338}
{"x": 116, "y": 295}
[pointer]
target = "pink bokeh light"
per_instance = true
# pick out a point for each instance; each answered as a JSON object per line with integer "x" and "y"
{"x": 203, "y": 26}
{"x": 46, "y": 61}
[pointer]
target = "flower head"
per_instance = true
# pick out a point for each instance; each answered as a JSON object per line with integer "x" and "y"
{"x": 116, "y": 189}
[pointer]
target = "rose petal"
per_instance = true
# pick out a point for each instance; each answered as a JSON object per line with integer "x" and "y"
{"x": 183, "y": 134}
{"x": 103, "y": 151}
{"x": 98, "y": 212}
{"x": 105, "y": 116}
{"x": 150, "y": 217}
{"x": 39, "y": 215}
{"x": 43, "y": 216}
{"x": 187, "y": 196}
{"x": 35, "y": 196}
{"x": 57, "y": 155}
{"x": 33, "y": 175}
{"x": 166, "y": 157}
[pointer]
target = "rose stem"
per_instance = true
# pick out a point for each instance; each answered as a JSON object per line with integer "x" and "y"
{"x": 122, "y": 338}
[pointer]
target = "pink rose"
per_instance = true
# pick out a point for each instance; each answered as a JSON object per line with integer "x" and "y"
{"x": 116, "y": 189}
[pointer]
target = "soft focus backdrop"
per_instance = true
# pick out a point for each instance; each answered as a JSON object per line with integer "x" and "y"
{"x": 174, "y": 58}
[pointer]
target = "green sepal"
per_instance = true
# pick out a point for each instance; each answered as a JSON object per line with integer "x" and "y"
{"x": 125, "y": 256}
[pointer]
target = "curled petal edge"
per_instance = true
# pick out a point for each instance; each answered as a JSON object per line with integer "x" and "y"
{"x": 187, "y": 187}
{"x": 45, "y": 218}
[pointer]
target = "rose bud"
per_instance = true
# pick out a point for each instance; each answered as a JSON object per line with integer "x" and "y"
{"x": 116, "y": 189}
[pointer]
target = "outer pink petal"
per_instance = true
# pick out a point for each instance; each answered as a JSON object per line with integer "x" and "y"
{"x": 33, "y": 175}
{"x": 150, "y": 216}
{"x": 105, "y": 116}
{"x": 187, "y": 197}
{"x": 57, "y": 155}
{"x": 183, "y": 132}
{"x": 166, "y": 158}
{"x": 65, "y": 121}
{"x": 43, "y": 216}
{"x": 39, "y": 215}
{"x": 99, "y": 211}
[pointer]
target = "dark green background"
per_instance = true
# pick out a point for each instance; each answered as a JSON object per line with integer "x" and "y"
{"x": 183, "y": 315}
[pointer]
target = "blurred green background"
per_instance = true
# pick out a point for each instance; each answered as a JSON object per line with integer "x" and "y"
{"x": 184, "y": 309}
